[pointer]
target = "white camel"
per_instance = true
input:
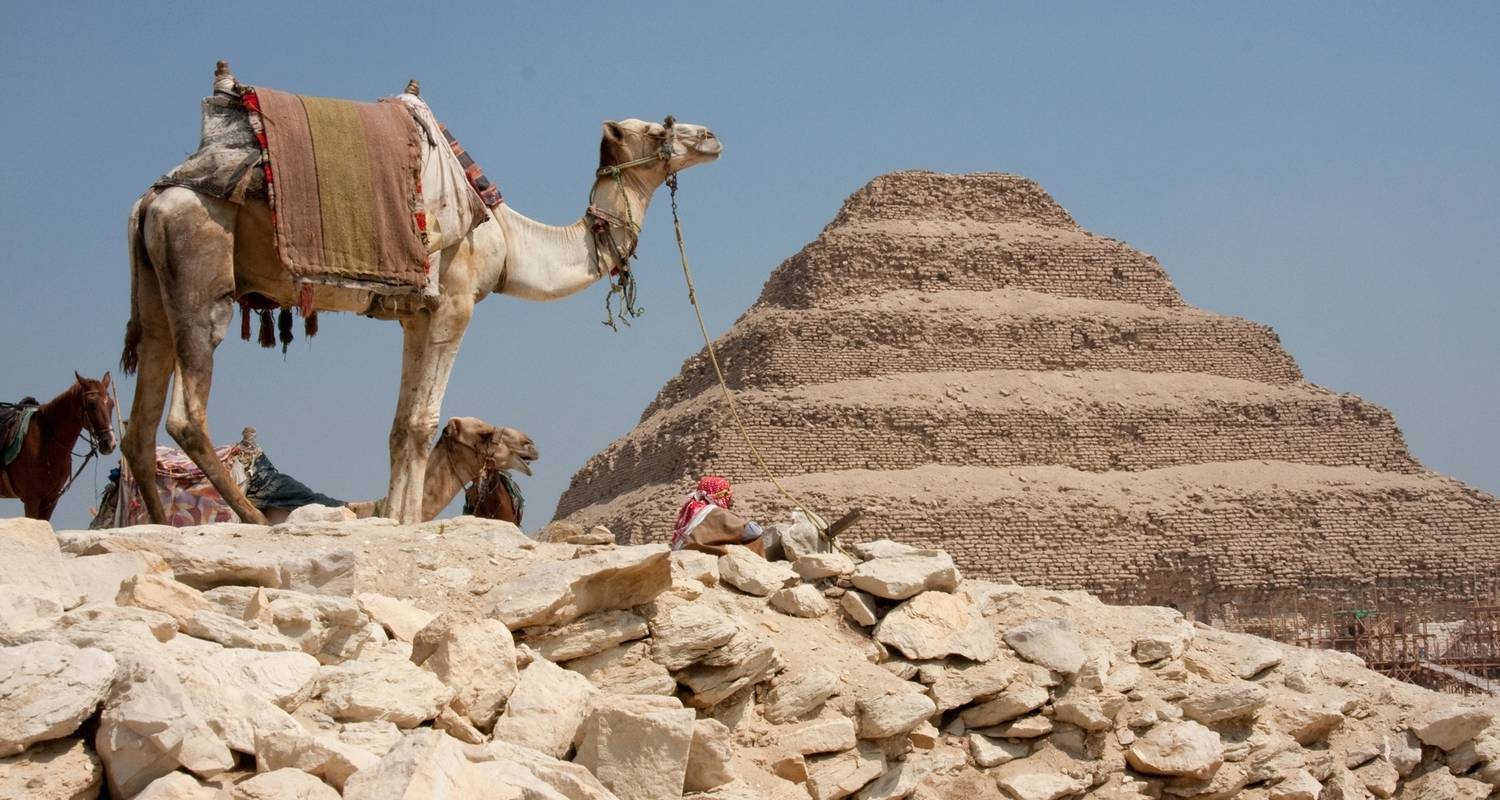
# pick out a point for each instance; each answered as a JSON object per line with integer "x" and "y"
{"x": 192, "y": 256}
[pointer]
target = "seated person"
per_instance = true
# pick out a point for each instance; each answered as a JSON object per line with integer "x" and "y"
{"x": 705, "y": 523}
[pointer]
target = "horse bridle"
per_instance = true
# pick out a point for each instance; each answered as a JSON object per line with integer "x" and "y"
{"x": 93, "y": 436}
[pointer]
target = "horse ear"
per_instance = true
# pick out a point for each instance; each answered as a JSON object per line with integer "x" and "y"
{"x": 104, "y": 382}
{"x": 77, "y": 377}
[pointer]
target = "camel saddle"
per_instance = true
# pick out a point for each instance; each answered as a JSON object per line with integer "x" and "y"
{"x": 361, "y": 193}
{"x": 15, "y": 419}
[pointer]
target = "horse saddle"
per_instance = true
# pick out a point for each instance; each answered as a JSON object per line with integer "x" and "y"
{"x": 15, "y": 418}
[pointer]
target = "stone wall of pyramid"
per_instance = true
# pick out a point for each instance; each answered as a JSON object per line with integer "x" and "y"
{"x": 955, "y": 354}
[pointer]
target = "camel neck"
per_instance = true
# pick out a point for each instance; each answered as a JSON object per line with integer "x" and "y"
{"x": 443, "y": 480}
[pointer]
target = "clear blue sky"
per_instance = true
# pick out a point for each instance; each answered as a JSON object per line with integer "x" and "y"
{"x": 1330, "y": 169}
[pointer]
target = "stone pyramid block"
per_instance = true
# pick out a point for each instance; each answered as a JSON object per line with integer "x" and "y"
{"x": 954, "y": 353}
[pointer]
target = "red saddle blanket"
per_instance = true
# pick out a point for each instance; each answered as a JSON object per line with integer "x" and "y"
{"x": 345, "y": 182}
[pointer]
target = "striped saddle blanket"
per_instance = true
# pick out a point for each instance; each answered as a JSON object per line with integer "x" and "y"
{"x": 361, "y": 193}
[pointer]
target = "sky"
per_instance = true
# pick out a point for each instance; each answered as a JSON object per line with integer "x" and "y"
{"x": 1329, "y": 169}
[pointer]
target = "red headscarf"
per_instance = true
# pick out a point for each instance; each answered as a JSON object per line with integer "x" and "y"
{"x": 712, "y": 490}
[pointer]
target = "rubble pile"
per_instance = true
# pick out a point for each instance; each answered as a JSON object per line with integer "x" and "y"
{"x": 325, "y": 658}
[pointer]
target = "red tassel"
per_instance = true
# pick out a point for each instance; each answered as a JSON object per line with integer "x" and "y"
{"x": 305, "y": 301}
{"x": 244, "y": 319}
{"x": 310, "y": 325}
{"x": 267, "y": 330}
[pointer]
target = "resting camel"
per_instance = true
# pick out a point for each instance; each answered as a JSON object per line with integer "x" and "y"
{"x": 466, "y": 450}
{"x": 192, "y": 256}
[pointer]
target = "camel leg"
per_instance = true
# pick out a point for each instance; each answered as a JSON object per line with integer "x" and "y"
{"x": 191, "y": 240}
{"x": 151, "y": 384}
{"x": 430, "y": 346}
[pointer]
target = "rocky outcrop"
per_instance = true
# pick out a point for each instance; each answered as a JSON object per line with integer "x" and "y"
{"x": 693, "y": 685}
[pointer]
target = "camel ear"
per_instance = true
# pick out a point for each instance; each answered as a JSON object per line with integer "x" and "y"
{"x": 452, "y": 428}
{"x": 613, "y": 131}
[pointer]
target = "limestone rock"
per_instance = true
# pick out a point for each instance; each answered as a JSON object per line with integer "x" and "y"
{"x": 886, "y": 715}
{"x": 1215, "y": 703}
{"x": 230, "y": 632}
{"x": 710, "y": 757}
{"x": 474, "y": 658}
{"x": 149, "y": 728}
{"x": 24, "y": 609}
{"x": 906, "y": 575}
{"x": 961, "y": 684}
{"x": 285, "y": 679}
{"x": 431, "y": 765}
{"x": 860, "y": 607}
{"x": 937, "y": 625}
{"x": 816, "y": 566}
{"x": 685, "y": 633}
{"x": 326, "y": 756}
{"x": 400, "y": 618}
{"x": 30, "y": 560}
{"x": 987, "y": 752}
{"x": 47, "y": 690}
{"x": 1091, "y": 711}
{"x": 626, "y": 669}
{"x": 1018, "y": 699}
{"x": 829, "y": 734}
{"x": 1032, "y": 779}
{"x": 747, "y": 658}
{"x": 389, "y": 689}
{"x": 587, "y": 635}
{"x": 558, "y": 592}
{"x": 569, "y": 780}
{"x": 695, "y": 565}
{"x": 159, "y": 592}
{"x": 204, "y": 565}
{"x": 803, "y": 600}
{"x": 1177, "y": 748}
{"x": 751, "y": 574}
{"x": 1049, "y": 643}
{"x": 837, "y": 776}
{"x": 376, "y": 736}
{"x": 796, "y": 693}
{"x": 638, "y": 745}
{"x": 98, "y": 577}
{"x": 284, "y": 784}
{"x": 317, "y": 513}
{"x": 177, "y": 786}
{"x": 1307, "y": 723}
{"x": 1451, "y": 727}
{"x": 546, "y": 709}
{"x": 1032, "y": 727}
{"x": 161, "y": 626}
{"x": 1298, "y": 784}
{"x": 57, "y": 770}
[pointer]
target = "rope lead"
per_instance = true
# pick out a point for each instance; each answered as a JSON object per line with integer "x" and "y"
{"x": 734, "y": 411}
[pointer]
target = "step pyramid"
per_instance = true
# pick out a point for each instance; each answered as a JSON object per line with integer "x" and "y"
{"x": 956, "y": 355}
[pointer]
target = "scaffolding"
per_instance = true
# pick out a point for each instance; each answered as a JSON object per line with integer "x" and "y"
{"x": 1444, "y": 646}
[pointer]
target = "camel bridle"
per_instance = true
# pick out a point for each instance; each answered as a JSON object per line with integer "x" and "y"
{"x": 603, "y": 225}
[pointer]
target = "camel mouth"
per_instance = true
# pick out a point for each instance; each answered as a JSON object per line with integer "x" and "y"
{"x": 525, "y": 464}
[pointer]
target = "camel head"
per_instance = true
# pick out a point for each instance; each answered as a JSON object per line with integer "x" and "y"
{"x": 477, "y": 442}
{"x": 684, "y": 145}
{"x": 522, "y": 450}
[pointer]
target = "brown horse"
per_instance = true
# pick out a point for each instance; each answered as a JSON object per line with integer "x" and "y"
{"x": 39, "y": 475}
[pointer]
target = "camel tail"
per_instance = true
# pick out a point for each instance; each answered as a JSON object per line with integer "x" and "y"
{"x": 140, "y": 261}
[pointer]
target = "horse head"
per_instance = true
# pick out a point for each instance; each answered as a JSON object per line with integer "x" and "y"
{"x": 98, "y": 411}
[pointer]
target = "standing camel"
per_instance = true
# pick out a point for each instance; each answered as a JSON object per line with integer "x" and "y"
{"x": 192, "y": 256}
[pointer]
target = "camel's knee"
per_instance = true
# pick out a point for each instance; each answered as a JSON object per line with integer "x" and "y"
{"x": 186, "y": 429}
